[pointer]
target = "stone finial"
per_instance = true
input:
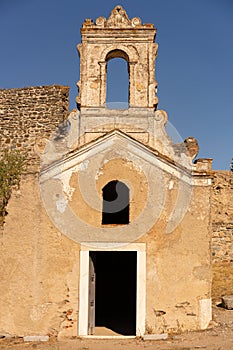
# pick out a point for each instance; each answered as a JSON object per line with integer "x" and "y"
{"x": 118, "y": 18}
{"x": 192, "y": 146}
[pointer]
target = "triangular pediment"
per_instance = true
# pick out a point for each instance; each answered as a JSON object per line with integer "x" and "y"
{"x": 116, "y": 144}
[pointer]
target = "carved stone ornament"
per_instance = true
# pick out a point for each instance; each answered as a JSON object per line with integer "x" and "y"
{"x": 117, "y": 19}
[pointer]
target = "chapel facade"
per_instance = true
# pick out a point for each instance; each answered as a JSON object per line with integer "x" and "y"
{"x": 113, "y": 234}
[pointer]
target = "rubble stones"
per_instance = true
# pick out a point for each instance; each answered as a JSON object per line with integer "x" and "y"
{"x": 227, "y": 302}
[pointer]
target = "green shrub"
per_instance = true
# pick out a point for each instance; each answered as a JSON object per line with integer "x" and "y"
{"x": 12, "y": 165}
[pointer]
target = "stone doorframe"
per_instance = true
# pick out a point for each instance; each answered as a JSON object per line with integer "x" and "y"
{"x": 140, "y": 248}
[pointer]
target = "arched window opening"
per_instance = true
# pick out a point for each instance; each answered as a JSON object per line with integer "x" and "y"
{"x": 115, "y": 203}
{"x": 117, "y": 85}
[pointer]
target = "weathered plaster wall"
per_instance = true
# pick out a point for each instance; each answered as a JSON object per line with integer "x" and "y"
{"x": 39, "y": 269}
{"x": 179, "y": 266}
{"x": 222, "y": 242}
{"x": 40, "y": 266}
{"x": 178, "y": 263}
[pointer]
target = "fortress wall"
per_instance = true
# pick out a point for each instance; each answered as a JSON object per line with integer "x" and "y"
{"x": 222, "y": 225}
{"x": 31, "y": 113}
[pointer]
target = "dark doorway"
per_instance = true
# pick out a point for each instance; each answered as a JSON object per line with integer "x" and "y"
{"x": 115, "y": 298}
{"x": 115, "y": 203}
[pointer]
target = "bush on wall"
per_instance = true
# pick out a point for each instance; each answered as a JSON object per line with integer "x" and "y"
{"x": 12, "y": 165}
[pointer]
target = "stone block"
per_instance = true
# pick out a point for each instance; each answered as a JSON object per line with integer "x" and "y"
{"x": 162, "y": 336}
{"x": 36, "y": 338}
{"x": 227, "y": 302}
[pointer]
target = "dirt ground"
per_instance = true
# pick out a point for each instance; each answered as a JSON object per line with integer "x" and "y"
{"x": 219, "y": 336}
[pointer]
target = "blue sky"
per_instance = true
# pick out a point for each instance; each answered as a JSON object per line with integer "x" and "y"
{"x": 194, "y": 68}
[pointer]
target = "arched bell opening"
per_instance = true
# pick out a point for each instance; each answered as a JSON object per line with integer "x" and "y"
{"x": 117, "y": 80}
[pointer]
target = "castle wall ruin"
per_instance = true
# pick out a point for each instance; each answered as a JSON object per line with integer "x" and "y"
{"x": 27, "y": 115}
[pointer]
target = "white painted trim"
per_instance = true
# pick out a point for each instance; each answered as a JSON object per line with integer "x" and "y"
{"x": 140, "y": 248}
{"x": 205, "y": 312}
{"x": 133, "y": 147}
{"x": 113, "y": 246}
{"x": 141, "y": 293}
{"x": 83, "y": 293}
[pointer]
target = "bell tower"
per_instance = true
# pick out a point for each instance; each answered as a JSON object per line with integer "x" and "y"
{"x": 117, "y": 36}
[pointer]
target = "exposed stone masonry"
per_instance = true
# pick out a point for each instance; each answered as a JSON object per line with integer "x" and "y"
{"x": 222, "y": 226}
{"x": 31, "y": 113}
{"x": 222, "y": 216}
{"x": 222, "y": 243}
